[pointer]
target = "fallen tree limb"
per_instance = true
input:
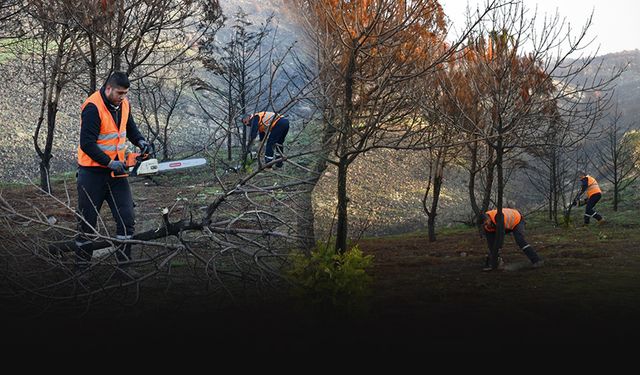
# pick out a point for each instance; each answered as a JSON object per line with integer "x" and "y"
{"x": 168, "y": 229}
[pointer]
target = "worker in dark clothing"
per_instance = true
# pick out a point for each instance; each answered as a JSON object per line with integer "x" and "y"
{"x": 590, "y": 186}
{"x": 513, "y": 223}
{"x": 272, "y": 125}
{"x": 106, "y": 124}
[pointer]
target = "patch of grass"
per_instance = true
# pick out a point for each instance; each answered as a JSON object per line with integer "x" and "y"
{"x": 440, "y": 231}
{"x": 12, "y": 185}
{"x": 64, "y": 176}
{"x": 179, "y": 263}
{"x": 456, "y": 229}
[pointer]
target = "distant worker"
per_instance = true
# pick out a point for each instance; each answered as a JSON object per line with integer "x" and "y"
{"x": 270, "y": 124}
{"x": 513, "y": 223}
{"x": 590, "y": 185}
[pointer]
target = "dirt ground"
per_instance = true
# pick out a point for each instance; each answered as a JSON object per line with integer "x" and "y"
{"x": 426, "y": 298}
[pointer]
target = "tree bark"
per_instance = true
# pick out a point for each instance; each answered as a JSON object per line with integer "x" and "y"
{"x": 431, "y": 221}
{"x": 169, "y": 229}
{"x": 306, "y": 221}
{"x": 343, "y": 201}
{"x": 499, "y": 241}
{"x": 472, "y": 178}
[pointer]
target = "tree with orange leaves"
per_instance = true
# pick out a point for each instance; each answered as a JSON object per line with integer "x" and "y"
{"x": 370, "y": 54}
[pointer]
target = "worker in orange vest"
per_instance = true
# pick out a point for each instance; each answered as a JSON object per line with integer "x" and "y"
{"x": 513, "y": 223}
{"x": 106, "y": 124}
{"x": 270, "y": 124}
{"x": 591, "y": 187}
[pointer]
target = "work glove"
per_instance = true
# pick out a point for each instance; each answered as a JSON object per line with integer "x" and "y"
{"x": 117, "y": 167}
{"x": 144, "y": 146}
{"x": 574, "y": 203}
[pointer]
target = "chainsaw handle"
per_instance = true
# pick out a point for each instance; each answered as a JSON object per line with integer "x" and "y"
{"x": 119, "y": 175}
{"x": 144, "y": 152}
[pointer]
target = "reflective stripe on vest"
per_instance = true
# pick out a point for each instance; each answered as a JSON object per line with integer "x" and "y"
{"x": 112, "y": 138}
{"x": 511, "y": 218}
{"x": 592, "y": 186}
{"x": 267, "y": 120}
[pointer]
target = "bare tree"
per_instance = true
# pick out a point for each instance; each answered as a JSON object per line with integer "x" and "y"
{"x": 239, "y": 66}
{"x": 50, "y": 52}
{"x": 10, "y": 27}
{"x": 617, "y": 156}
{"x": 552, "y": 170}
{"x": 159, "y": 99}
{"x": 439, "y": 141}
{"x": 145, "y": 36}
{"x": 139, "y": 37}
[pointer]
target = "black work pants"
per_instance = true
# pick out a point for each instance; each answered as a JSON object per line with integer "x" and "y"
{"x": 276, "y": 139}
{"x": 518, "y": 235}
{"x": 95, "y": 186}
{"x": 589, "y": 211}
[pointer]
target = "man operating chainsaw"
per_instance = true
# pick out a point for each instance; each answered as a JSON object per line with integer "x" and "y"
{"x": 106, "y": 124}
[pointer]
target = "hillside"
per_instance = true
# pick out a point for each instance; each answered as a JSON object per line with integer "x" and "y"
{"x": 627, "y": 91}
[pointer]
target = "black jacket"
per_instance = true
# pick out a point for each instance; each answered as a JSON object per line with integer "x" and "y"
{"x": 91, "y": 129}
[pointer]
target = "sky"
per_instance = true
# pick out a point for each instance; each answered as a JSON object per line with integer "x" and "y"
{"x": 615, "y": 25}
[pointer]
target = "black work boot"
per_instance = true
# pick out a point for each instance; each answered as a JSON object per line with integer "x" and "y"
{"x": 487, "y": 266}
{"x": 533, "y": 257}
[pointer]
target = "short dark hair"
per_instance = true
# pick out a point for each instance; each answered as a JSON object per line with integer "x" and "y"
{"x": 247, "y": 117}
{"x": 118, "y": 79}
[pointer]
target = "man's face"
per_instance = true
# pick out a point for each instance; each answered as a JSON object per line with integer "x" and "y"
{"x": 116, "y": 94}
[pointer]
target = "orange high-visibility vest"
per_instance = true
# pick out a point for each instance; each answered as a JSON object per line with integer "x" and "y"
{"x": 592, "y": 186}
{"x": 112, "y": 138}
{"x": 267, "y": 120}
{"x": 511, "y": 219}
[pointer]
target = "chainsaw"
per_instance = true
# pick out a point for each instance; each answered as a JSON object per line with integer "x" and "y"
{"x": 145, "y": 163}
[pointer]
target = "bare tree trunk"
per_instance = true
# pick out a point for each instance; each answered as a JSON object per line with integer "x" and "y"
{"x": 343, "y": 163}
{"x": 93, "y": 64}
{"x": 491, "y": 165}
{"x": 473, "y": 170}
{"x": 343, "y": 200}
{"x": 616, "y": 196}
{"x": 305, "y": 224}
{"x": 436, "y": 176}
{"x": 230, "y": 121}
{"x": 551, "y": 184}
{"x": 117, "y": 49}
{"x": 45, "y": 163}
{"x": 431, "y": 221}
{"x": 499, "y": 241}
{"x": 554, "y": 180}
{"x": 52, "y": 90}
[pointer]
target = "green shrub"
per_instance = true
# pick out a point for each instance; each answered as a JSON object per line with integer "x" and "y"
{"x": 330, "y": 281}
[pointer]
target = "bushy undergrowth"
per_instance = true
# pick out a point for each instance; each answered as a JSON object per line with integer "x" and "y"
{"x": 330, "y": 281}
